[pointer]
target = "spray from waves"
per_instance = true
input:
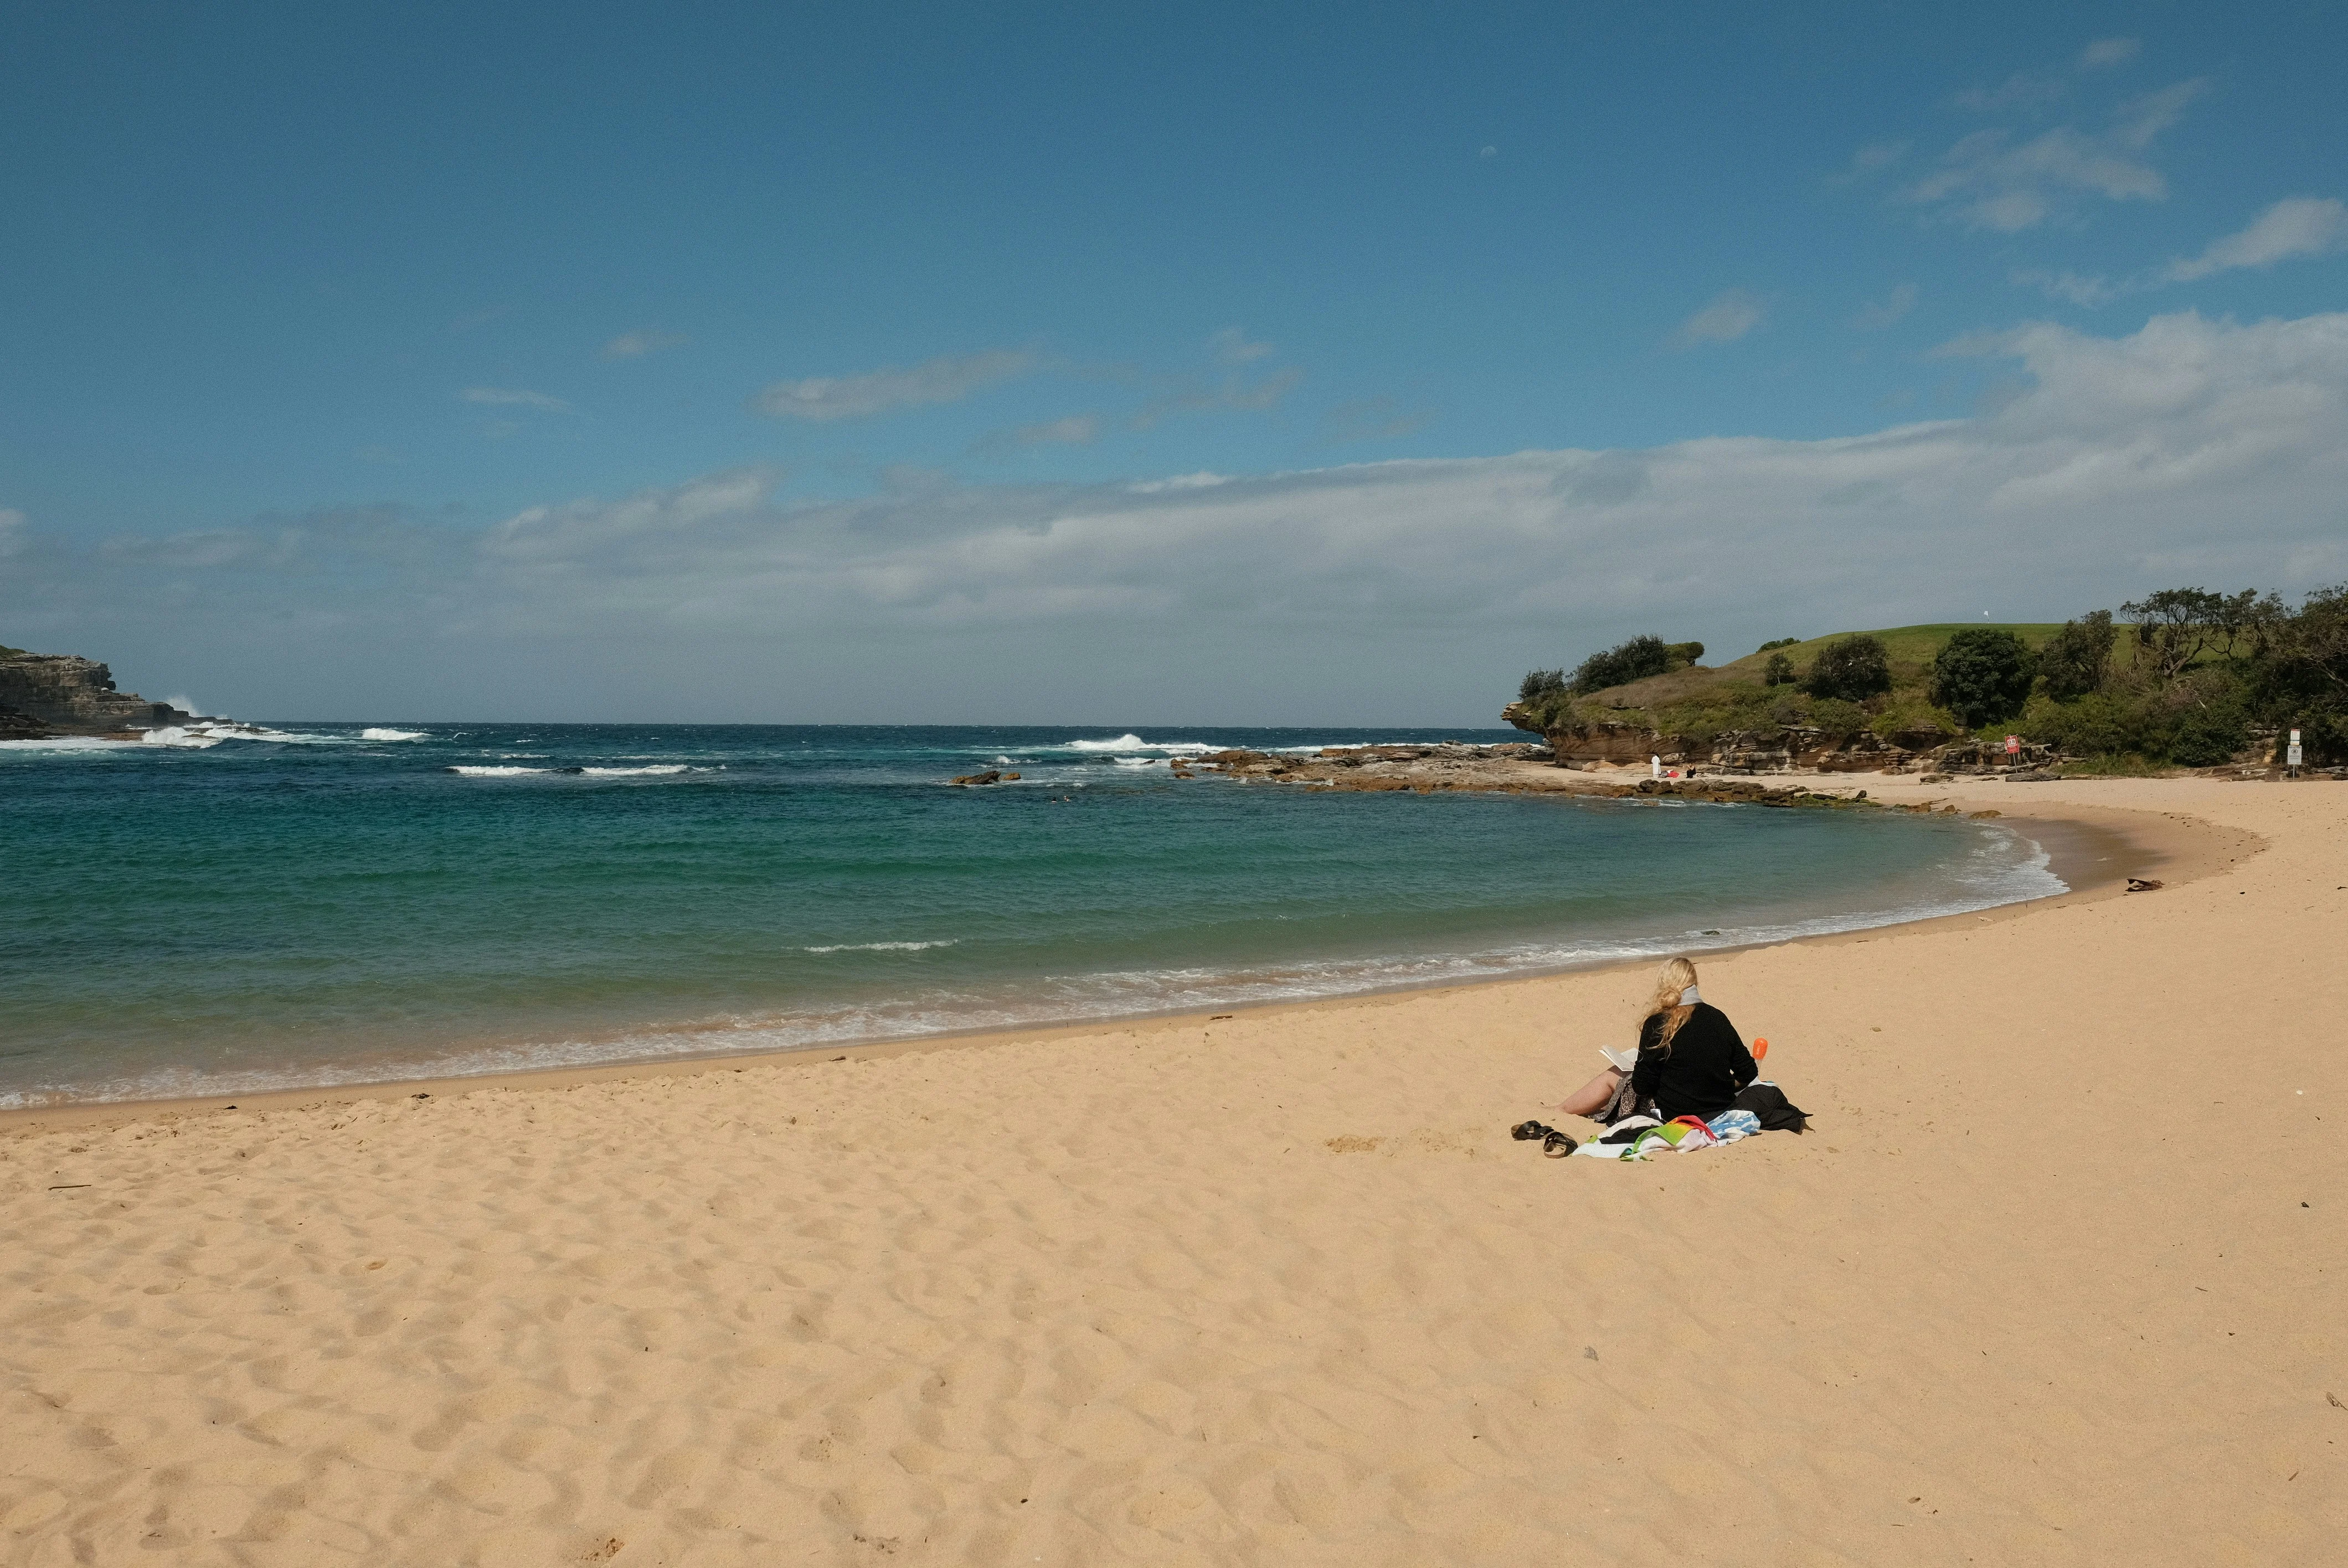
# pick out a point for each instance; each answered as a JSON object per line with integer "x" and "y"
{"x": 194, "y": 738}
{"x": 882, "y": 947}
{"x": 656, "y": 769}
{"x": 83, "y": 745}
{"x": 1132, "y": 742}
{"x": 503, "y": 773}
{"x": 375, "y": 732}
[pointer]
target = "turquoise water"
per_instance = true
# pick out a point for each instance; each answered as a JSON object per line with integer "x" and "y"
{"x": 342, "y": 903}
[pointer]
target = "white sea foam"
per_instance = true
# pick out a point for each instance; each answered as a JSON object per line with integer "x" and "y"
{"x": 882, "y": 947}
{"x": 1132, "y": 742}
{"x": 633, "y": 772}
{"x": 196, "y": 739}
{"x": 481, "y": 773}
{"x": 375, "y": 734}
{"x": 70, "y": 744}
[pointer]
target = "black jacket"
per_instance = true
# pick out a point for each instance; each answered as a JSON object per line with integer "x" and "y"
{"x": 1701, "y": 1072}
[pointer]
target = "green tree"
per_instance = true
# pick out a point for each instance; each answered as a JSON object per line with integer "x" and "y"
{"x": 1621, "y": 664}
{"x": 2303, "y": 680}
{"x": 1851, "y": 670}
{"x": 1778, "y": 671}
{"x": 2078, "y": 658}
{"x": 1776, "y": 642}
{"x": 2177, "y": 625}
{"x": 1545, "y": 700}
{"x": 1983, "y": 675}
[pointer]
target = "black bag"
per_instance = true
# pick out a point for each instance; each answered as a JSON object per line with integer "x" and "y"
{"x": 1777, "y": 1113}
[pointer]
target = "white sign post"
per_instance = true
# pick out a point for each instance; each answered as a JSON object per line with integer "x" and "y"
{"x": 2290, "y": 757}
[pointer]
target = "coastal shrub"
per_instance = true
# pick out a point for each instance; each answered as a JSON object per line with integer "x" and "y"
{"x": 1983, "y": 675}
{"x": 2301, "y": 682}
{"x": 1778, "y": 671}
{"x": 2103, "y": 723}
{"x": 2208, "y": 717}
{"x": 1685, "y": 653}
{"x": 1548, "y": 705}
{"x": 1621, "y": 664}
{"x": 1913, "y": 715}
{"x": 1851, "y": 670}
{"x": 2077, "y": 658}
{"x": 1838, "y": 719}
{"x": 1776, "y": 642}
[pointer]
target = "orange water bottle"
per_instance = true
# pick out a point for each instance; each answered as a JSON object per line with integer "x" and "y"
{"x": 1760, "y": 1048}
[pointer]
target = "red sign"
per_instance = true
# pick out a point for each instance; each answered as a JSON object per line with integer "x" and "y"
{"x": 2012, "y": 745}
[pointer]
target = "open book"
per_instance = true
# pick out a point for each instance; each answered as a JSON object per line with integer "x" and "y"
{"x": 1623, "y": 1060}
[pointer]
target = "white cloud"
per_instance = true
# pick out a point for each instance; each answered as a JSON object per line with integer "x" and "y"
{"x": 514, "y": 398}
{"x": 1989, "y": 181}
{"x": 642, "y": 341}
{"x": 2299, "y": 226}
{"x": 2105, "y": 52}
{"x": 2192, "y": 450}
{"x": 1877, "y": 315}
{"x": 1727, "y": 318}
{"x": 946, "y": 379}
{"x": 2303, "y": 226}
{"x": 1230, "y": 346}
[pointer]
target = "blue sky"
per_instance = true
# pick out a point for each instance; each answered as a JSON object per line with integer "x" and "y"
{"x": 626, "y": 347}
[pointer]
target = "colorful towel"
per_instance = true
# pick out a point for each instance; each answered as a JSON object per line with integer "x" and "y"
{"x": 1680, "y": 1135}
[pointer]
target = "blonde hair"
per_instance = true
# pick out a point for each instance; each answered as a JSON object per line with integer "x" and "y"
{"x": 1676, "y": 976}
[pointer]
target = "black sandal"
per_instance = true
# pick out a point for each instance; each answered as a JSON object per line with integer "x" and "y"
{"x": 1554, "y": 1143}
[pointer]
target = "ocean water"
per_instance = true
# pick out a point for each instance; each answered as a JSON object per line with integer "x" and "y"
{"x": 206, "y": 915}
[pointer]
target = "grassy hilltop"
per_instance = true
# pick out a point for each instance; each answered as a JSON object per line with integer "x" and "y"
{"x": 2193, "y": 678}
{"x": 1912, "y": 650}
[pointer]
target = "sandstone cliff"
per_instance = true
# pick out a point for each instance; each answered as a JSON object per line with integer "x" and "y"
{"x": 45, "y": 695}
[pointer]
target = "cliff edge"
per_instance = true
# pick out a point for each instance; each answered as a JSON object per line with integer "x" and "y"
{"x": 47, "y": 694}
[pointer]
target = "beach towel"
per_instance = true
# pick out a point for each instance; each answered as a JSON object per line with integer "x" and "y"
{"x": 1643, "y": 1136}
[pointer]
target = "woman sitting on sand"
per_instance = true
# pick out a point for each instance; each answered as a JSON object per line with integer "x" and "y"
{"x": 1690, "y": 1061}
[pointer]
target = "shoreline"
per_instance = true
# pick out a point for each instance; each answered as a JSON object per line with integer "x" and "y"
{"x": 2083, "y": 839}
{"x": 2056, "y": 1262}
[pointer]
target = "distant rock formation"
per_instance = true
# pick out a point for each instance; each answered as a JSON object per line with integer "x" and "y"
{"x": 47, "y": 694}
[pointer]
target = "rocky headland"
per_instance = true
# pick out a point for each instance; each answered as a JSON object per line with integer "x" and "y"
{"x": 1509, "y": 768}
{"x": 43, "y": 696}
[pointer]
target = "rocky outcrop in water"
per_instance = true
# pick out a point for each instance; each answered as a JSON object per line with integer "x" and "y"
{"x": 46, "y": 694}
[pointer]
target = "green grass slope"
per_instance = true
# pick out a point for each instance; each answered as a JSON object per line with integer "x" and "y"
{"x": 1911, "y": 651}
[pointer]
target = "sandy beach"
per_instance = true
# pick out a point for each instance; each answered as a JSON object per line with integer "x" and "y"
{"x": 2056, "y": 1278}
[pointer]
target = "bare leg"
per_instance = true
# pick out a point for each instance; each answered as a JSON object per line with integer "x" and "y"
{"x": 1592, "y": 1097}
